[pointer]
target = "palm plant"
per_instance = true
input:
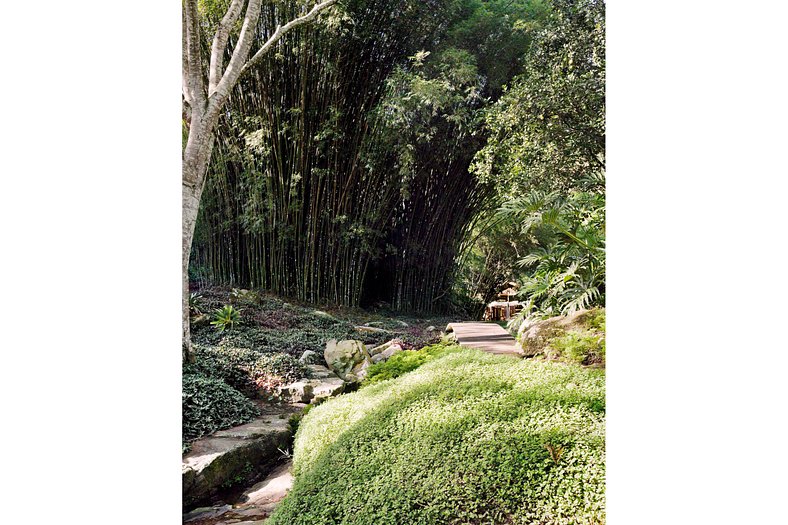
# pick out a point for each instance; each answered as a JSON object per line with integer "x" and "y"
{"x": 226, "y": 317}
{"x": 566, "y": 271}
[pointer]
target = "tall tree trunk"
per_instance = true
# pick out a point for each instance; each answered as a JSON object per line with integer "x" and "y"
{"x": 196, "y": 157}
{"x": 191, "y": 205}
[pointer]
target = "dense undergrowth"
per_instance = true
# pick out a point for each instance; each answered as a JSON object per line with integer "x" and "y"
{"x": 247, "y": 344}
{"x": 466, "y": 438}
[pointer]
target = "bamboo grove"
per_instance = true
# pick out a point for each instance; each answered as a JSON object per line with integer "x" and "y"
{"x": 341, "y": 169}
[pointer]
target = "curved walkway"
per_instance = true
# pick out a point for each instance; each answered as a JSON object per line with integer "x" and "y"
{"x": 490, "y": 337}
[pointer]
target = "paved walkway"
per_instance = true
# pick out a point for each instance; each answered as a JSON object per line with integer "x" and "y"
{"x": 490, "y": 337}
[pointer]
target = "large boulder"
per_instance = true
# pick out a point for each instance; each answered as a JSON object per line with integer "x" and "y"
{"x": 534, "y": 337}
{"x": 343, "y": 357}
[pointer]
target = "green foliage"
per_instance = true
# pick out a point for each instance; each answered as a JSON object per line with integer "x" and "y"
{"x": 584, "y": 345}
{"x": 323, "y": 177}
{"x": 579, "y": 347}
{"x": 274, "y": 369}
{"x": 246, "y": 370}
{"x": 497, "y": 32}
{"x": 210, "y": 405}
{"x": 545, "y": 157}
{"x": 228, "y": 364}
{"x": 226, "y": 318}
{"x": 466, "y": 438}
{"x": 195, "y": 303}
{"x": 406, "y": 361}
{"x": 565, "y": 269}
{"x": 548, "y": 130}
{"x": 270, "y": 325}
{"x": 595, "y": 320}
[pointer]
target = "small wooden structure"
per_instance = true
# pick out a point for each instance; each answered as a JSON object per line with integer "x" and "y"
{"x": 504, "y": 308}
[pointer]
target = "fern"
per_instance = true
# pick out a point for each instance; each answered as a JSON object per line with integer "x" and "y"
{"x": 566, "y": 271}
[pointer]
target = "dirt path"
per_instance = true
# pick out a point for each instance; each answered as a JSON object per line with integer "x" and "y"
{"x": 489, "y": 337}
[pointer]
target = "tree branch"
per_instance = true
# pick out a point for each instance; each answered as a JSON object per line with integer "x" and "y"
{"x": 187, "y": 96}
{"x": 220, "y": 43}
{"x": 281, "y": 30}
{"x": 195, "y": 82}
{"x": 240, "y": 53}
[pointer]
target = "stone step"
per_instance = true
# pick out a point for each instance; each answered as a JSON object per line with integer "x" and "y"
{"x": 320, "y": 372}
{"x": 239, "y": 452}
{"x": 307, "y": 390}
{"x": 251, "y": 449}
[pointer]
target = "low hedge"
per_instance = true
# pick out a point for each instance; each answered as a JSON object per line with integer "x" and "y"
{"x": 466, "y": 438}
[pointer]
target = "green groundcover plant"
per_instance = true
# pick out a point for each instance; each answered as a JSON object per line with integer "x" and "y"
{"x": 403, "y": 362}
{"x": 211, "y": 404}
{"x": 466, "y": 438}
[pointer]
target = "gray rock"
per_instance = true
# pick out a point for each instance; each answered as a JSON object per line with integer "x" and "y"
{"x": 534, "y": 337}
{"x": 327, "y": 388}
{"x": 199, "y": 320}
{"x": 431, "y": 328}
{"x": 378, "y": 349}
{"x": 298, "y": 392}
{"x": 360, "y": 370}
{"x": 370, "y": 329}
{"x": 320, "y": 372}
{"x": 203, "y": 513}
{"x": 343, "y": 356}
{"x": 309, "y": 357}
{"x": 263, "y": 496}
{"x": 390, "y": 351}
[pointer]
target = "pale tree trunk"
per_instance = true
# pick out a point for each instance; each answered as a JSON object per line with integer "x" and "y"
{"x": 205, "y": 106}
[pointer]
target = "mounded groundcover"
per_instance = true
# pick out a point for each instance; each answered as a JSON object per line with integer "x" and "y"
{"x": 467, "y": 438}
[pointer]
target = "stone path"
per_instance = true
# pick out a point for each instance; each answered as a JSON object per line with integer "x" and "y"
{"x": 490, "y": 337}
{"x": 224, "y": 458}
{"x": 254, "y": 506}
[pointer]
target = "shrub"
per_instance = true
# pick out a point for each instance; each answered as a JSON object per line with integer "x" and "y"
{"x": 211, "y": 404}
{"x": 467, "y": 438}
{"x": 583, "y": 348}
{"x": 406, "y": 361}
{"x": 225, "y": 317}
